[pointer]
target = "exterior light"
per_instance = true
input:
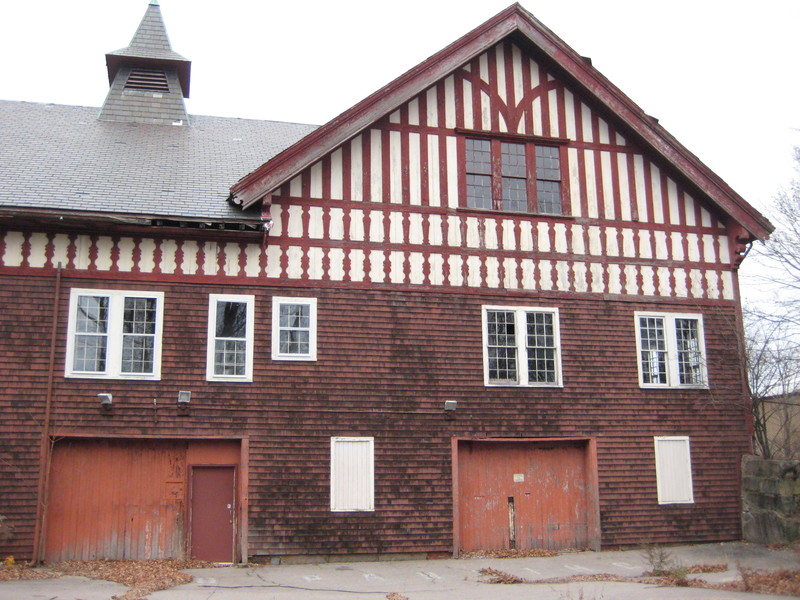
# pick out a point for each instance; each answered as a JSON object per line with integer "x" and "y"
{"x": 106, "y": 401}
{"x": 184, "y": 398}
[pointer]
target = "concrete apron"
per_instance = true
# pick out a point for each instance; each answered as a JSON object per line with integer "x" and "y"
{"x": 438, "y": 579}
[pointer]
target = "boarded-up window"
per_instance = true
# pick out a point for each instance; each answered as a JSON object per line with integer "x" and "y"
{"x": 352, "y": 474}
{"x": 674, "y": 470}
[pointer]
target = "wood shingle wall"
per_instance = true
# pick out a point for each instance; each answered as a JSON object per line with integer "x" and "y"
{"x": 387, "y": 362}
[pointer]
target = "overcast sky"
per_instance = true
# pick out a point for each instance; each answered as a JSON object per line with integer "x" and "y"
{"x": 721, "y": 76}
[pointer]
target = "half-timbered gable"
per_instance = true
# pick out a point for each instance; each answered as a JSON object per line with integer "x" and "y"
{"x": 394, "y": 204}
{"x": 493, "y": 305}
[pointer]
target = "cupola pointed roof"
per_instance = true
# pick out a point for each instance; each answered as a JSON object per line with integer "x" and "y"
{"x": 150, "y": 48}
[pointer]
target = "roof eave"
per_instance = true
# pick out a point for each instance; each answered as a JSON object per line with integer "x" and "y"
{"x": 272, "y": 174}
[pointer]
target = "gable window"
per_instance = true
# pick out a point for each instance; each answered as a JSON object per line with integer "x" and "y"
{"x": 671, "y": 350}
{"x": 114, "y": 334}
{"x": 352, "y": 474}
{"x": 673, "y": 470}
{"x": 513, "y": 176}
{"x": 294, "y": 328}
{"x": 230, "y": 338}
{"x": 521, "y": 346}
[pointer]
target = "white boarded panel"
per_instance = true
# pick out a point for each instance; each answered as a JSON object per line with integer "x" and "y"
{"x": 673, "y": 470}
{"x": 352, "y": 474}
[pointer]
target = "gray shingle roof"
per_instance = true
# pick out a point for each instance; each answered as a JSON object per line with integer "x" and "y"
{"x": 150, "y": 39}
{"x": 62, "y": 157}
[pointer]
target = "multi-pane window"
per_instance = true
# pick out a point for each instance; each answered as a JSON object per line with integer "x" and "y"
{"x": 230, "y": 338}
{"x": 352, "y": 474}
{"x": 479, "y": 173}
{"x": 674, "y": 470}
{"x": 521, "y": 346}
{"x": 671, "y": 350}
{"x": 294, "y": 328}
{"x": 114, "y": 334}
{"x": 513, "y": 176}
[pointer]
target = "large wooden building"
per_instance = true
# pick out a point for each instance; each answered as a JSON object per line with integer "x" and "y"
{"x": 493, "y": 305}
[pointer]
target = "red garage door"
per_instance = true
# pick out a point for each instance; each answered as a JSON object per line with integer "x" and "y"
{"x": 524, "y": 495}
{"x": 116, "y": 499}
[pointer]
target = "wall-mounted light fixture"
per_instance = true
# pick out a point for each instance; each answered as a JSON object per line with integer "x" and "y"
{"x": 450, "y": 405}
{"x": 106, "y": 401}
{"x": 184, "y": 398}
{"x": 267, "y": 225}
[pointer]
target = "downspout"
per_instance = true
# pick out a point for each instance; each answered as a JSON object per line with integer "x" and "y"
{"x": 740, "y": 334}
{"x": 45, "y": 448}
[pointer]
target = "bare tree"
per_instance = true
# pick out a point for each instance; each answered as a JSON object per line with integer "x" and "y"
{"x": 780, "y": 256}
{"x": 773, "y": 366}
{"x": 772, "y": 331}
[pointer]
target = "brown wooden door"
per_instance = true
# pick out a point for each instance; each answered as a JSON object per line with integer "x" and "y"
{"x": 116, "y": 499}
{"x": 522, "y": 495}
{"x": 212, "y": 513}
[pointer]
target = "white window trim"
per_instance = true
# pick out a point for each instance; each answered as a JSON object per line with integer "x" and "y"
{"x": 365, "y": 503}
{"x": 277, "y": 301}
{"x": 667, "y": 472}
{"x": 673, "y": 375}
{"x": 212, "y": 330}
{"x": 114, "y": 348}
{"x": 522, "y": 354}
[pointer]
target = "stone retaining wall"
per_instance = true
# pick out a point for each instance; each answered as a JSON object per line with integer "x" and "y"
{"x": 770, "y": 500}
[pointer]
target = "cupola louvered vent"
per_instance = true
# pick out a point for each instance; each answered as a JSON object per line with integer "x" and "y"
{"x": 148, "y": 80}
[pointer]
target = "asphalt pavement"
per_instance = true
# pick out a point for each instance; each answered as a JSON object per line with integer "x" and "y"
{"x": 448, "y": 579}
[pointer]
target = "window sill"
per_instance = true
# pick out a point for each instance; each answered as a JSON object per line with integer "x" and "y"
{"x": 508, "y": 213}
{"x": 525, "y": 385}
{"x": 645, "y": 386}
{"x": 114, "y": 377}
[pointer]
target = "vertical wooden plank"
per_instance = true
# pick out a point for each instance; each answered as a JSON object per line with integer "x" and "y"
{"x": 523, "y": 494}
{"x": 110, "y": 499}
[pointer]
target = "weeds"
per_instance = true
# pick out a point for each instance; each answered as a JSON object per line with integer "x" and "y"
{"x": 495, "y": 576}
{"x": 568, "y": 596}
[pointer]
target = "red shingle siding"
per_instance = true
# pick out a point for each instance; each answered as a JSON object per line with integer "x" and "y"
{"x": 387, "y": 362}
